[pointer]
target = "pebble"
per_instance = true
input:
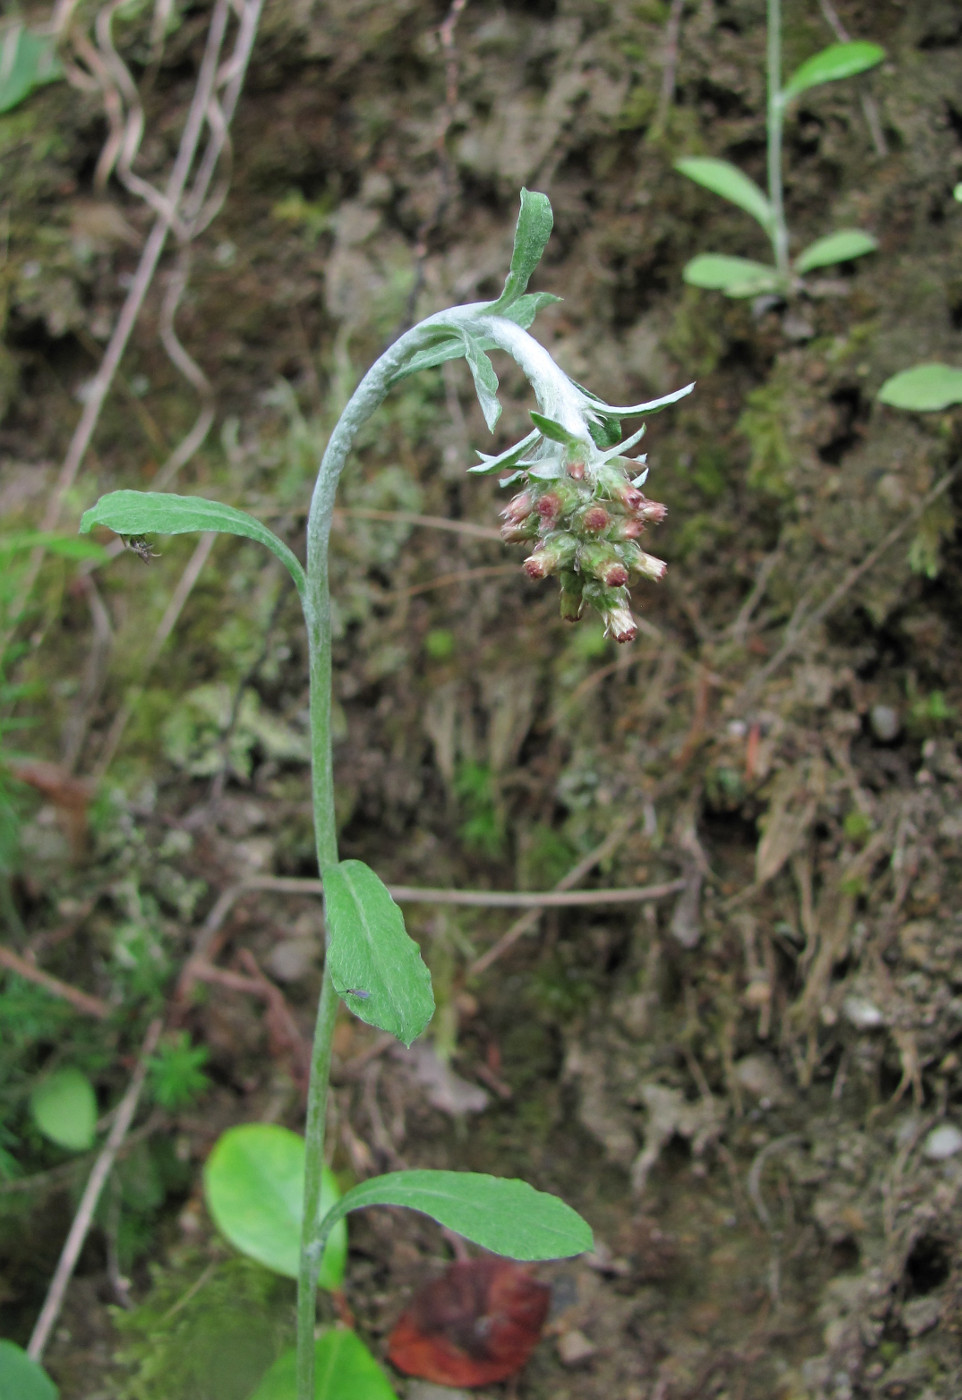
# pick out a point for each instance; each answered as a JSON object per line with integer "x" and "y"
{"x": 942, "y": 1142}
{"x": 574, "y": 1347}
{"x": 885, "y": 722}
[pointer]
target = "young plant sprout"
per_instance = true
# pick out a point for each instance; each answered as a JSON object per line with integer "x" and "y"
{"x": 580, "y": 510}
{"x": 745, "y": 277}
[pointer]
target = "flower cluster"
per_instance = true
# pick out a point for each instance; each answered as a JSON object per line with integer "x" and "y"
{"x": 584, "y": 526}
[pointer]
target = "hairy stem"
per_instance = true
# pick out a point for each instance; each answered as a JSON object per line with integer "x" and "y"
{"x": 775, "y": 123}
{"x": 553, "y": 392}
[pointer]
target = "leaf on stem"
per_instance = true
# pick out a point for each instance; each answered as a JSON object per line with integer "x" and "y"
{"x": 557, "y": 432}
{"x": 736, "y": 277}
{"x": 254, "y": 1188}
{"x": 376, "y": 968}
{"x": 157, "y": 513}
{"x": 20, "y": 1376}
{"x": 511, "y": 457}
{"x": 923, "y": 388}
{"x": 725, "y": 179}
{"x": 343, "y": 1366}
{"x": 841, "y": 246}
{"x": 485, "y": 380}
{"x": 827, "y": 66}
{"x": 503, "y": 1215}
{"x": 530, "y": 236}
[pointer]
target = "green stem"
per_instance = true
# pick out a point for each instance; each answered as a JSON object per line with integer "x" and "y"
{"x": 775, "y": 122}
{"x": 559, "y": 399}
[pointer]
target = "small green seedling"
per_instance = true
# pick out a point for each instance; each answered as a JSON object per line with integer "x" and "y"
{"x": 925, "y": 388}
{"x": 745, "y": 277}
{"x": 580, "y": 510}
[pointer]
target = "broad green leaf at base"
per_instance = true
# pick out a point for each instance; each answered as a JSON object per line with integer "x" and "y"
{"x": 375, "y": 966}
{"x": 21, "y": 1378}
{"x": 344, "y": 1369}
{"x": 501, "y": 1214}
{"x": 923, "y": 388}
{"x": 254, "y": 1188}
{"x": 64, "y": 1108}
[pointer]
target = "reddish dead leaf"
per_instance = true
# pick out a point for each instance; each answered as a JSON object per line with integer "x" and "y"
{"x": 479, "y": 1322}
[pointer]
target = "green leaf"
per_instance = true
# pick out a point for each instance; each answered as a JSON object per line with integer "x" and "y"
{"x": 157, "y": 513}
{"x": 841, "y": 246}
{"x": 66, "y": 546}
{"x": 64, "y": 1108}
{"x": 532, "y": 233}
{"x": 21, "y": 1378}
{"x": 837, "y": 61}
{"x": 26, "y": 62}
{"x": 375, "y": 967}
{"x": 524, "y": 310}
{"x": 254, "y": 1187}
{"x": 489, "y": 466}
{"x": 450, "y": 347}
{"x": 501, "y": 1214}
{"x": 344, "y": 1369}
{"x": 736, "y": 277}
{"x": 557, "y": 432}
{"x": 923, "y": 388}
{"x": 485, "y": 381}
{"x": 721, "y": 177}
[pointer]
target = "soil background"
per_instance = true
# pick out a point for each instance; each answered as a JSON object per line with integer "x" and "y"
{"x": 750, "y": 1086}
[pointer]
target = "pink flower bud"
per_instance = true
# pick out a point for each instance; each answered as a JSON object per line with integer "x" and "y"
{"x": 572, "y": 605}
{"x": 538, "y": 564}
{"x": 549, "y": 508}
{"x": 628, "y": 529}
{"x": 653, "y": 511}
{"x": 620, "y": 623}
{"x": 520, "y": 533}
{"x": 629, "y": 496}
{"x": 645, "y": 564}
{"x": 518, "y": 508}
{"x": 576, "y": 470}
{"x": 595, "y": 519}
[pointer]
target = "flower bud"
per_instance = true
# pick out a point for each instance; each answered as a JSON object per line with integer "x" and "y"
{"x": 595, "y": 519}
{"x": 620, "y": 623}
{"x": 653, "y": 511}
{"x": 645, "y": 564}
{"x": 602, "y": 562}
{"x": 556, "y": 551}
{"x": 549, "y": 508}
{"x": 576, "y": 470}
{"x": 572, "y": 605}
{"x": 539, "y": 564}
{"x": 627, "y": 529}
{"x": 518, "y": 508}
{"x": 521, "y": 531}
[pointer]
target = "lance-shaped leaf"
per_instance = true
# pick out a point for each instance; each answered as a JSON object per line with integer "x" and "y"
{"x": 923, "y": 388}
{"x": 736, "y": 277}
{"x": 450, "y": 346}
{"x": 721, "y": 177}
{"x": 652, "y": 406}
{"x": 524, "y": 310}
{"x": 343, "y": 1367}
{"x": 511, "y": 457}
{"x": 557, "y": 432}
{"x": 837, "y": 61}
{"x": 841, "y": 246}
{"x": 501, "y": 1214}
{"x": 156, "y": 513}
{"x": 530, "y": 236}
{"x": 485, "y": 381}
{"x": 375, "y": 966}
